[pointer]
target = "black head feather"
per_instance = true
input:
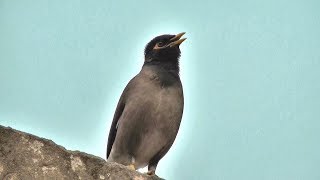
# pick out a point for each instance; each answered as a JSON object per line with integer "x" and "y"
{"x": 159, "y": 52}
{"x": 165, "y": 54}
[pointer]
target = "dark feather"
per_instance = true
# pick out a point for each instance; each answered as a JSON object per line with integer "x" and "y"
{"x": 113, "y": 128}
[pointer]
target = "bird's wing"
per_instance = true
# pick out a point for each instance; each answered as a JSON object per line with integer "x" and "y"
{"x": 119, "y": 110}
{"x": 114, "y": 125}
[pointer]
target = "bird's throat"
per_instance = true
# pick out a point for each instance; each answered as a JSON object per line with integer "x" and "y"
{"x": 166, "y": 74}
{"x": 163, "y": 66}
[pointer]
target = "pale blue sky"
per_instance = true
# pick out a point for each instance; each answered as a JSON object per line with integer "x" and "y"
{"x": 250, "y": 71}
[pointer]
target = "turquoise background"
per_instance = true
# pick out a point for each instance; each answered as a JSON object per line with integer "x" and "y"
{"x": 250, "y": 71}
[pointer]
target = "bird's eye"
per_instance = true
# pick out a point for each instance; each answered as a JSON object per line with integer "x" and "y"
{"x": 160, "y": 44}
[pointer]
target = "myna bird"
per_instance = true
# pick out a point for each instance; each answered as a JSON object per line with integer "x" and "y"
{"x": 149, "y": 112}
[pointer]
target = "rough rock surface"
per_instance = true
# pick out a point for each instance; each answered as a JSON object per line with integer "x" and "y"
{"x": 26, "y": 157}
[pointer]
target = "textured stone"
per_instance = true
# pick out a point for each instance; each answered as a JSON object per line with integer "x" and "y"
{"x": 25, "y": 156}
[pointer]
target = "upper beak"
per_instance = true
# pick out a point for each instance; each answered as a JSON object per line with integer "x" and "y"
{"x": 176, "y": 41}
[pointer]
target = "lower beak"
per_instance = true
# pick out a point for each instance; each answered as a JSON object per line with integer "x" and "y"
{"x": 176, "y": 40}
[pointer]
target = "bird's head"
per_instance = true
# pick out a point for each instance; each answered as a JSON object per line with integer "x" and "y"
{"x": 164, "y": 48}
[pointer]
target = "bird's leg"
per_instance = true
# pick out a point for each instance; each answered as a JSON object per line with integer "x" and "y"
{"x": 152, "y": 169}
{"x": 131, "y": 166}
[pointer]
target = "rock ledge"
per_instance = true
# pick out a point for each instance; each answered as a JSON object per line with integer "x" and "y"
{"x": 25, "y": 156}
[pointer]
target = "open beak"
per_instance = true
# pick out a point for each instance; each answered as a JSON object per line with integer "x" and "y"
{"x": 176, "y": 41}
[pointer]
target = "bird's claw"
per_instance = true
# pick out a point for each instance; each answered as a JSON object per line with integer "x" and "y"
{"x": 131, "y": 167}
{"x": 151, "y": 173}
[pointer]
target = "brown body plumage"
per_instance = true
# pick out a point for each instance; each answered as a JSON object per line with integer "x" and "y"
{"x": 149, "y": 111}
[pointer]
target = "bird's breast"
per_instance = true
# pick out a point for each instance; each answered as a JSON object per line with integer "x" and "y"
{"x": 158, "y": 101}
